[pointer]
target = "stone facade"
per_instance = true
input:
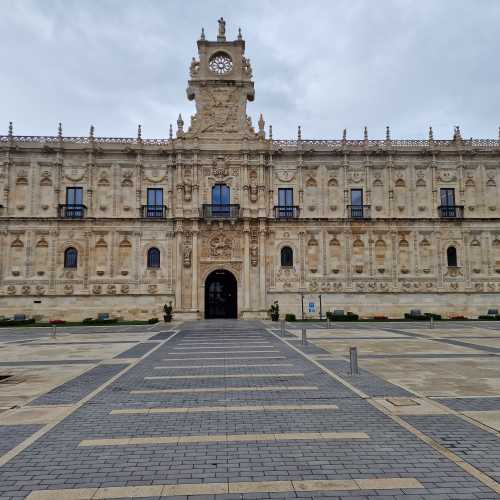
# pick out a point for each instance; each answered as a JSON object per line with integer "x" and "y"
{"x": 383, "y": 250}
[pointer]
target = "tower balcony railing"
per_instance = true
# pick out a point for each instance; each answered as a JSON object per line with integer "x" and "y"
{"x": 154, "y": 211}
{"x": 72, "y": 211}
{"x": 225, "y": 211}
{"x": 451, "y": 211}
{"x": 286, "y": 212}
{"x": 359, "y": 211}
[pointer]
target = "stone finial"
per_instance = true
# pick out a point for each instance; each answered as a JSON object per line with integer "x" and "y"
{"x": 240, "y": 37}
{"x": 344, "y": 136}
{"x": 170, "y": 132}
{"x": 498, "y": 134}
{"x": 387, "y": 134}
{"x": 299, "y": 133}
{"x": 202, "y": 36}
{"x": 59, "y": 130}
{"x": 11, "y": 129}
{"x": 91, "y": 132}
{"x": 365, "y": 134}
{"x": 180, "y": 126}
{"x": 139, "y": 132}
{"x": 261, "y": 124}
{"x": 271, "y": 132}
{"x": 457, "y": 136}
{"x": 431, "y": 134}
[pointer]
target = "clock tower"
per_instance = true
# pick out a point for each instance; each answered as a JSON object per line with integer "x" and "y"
{"x": 220, "y": 84}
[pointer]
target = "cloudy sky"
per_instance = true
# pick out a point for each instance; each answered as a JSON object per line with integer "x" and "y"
{"x": 326, "y": 65}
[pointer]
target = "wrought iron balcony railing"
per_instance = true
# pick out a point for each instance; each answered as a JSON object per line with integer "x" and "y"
{"x": 358, "y": 211}
{"x": 286, "y": 212}
{"x": 211, "y": 211}
{"x": 451, "y": 211}
{"x": 154, "y": 211}
{"x": 72, "y": 211}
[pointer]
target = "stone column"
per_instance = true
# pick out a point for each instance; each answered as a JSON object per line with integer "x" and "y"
{"x": 246, "y": 266}
{"x": 178, "y": 266}
{"x": 194, "y": 266}
{"x": 262, "y": 264}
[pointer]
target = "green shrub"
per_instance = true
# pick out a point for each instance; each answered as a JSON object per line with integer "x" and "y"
{"x": 290, "y": 317}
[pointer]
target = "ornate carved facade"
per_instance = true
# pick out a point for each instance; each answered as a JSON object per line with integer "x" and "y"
{"x": 93, "y": 224}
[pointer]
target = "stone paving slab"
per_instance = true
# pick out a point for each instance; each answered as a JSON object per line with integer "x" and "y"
{"x": 56, "y": 461}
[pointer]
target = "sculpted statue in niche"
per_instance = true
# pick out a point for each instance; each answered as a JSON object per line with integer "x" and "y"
{"x": 253, "y": 188}
{"x": 254, "y": 255}
{"x": 475, "y": 256}
{"x": 187, "y": 256}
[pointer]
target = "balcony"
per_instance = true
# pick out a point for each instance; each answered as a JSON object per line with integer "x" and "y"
{"x": 359, "y": 211}
{"x": 72, "y": 211}
{"x": 153, "y": 211}
{"x": 451, "y": 211}
{"x": 211, "y": 211}
{"x": 286, "y": 212}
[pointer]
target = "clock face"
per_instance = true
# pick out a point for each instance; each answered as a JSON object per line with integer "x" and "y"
{"x": 220, "y": 63}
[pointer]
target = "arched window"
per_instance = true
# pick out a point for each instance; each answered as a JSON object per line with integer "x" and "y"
{"x": 70, "y": 258}
{"x": 451, "y": 255}
{"x": 286, "y": 257}
{"x": 153, "y": 257}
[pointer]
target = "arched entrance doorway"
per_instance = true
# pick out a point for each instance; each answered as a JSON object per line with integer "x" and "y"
{"x": 221, "y": 295}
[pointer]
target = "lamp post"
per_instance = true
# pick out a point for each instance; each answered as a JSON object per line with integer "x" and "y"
{"x": 302, "y": 299}
{"x": 320, "y": 308}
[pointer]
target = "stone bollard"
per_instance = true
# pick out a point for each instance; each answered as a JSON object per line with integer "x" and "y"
{"x": 54, "y": 331}
{"x": 353, "y": 359}
{"x": 282, "y": 333}
{"x": 304, "y": 336}
{"x": 431, "y": 322}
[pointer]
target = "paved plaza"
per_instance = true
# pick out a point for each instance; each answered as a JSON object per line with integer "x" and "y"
{"x": 231, "y": 409}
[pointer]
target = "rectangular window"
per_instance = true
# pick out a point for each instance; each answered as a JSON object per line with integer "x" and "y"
{"x": 285, "y": 202}
{"x": 221, "y": 200}
{"x": 447, "y": 197}
{"x": 448, "y": 208}
{"x": 154, "y": 207}
{"x": 74, "y": 196}
{"x": 74, "y": 203}
{"x": 285, "y": 197}
{"x": 357, "y": 203}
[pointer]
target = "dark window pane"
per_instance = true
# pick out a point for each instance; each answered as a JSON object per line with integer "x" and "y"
{"x": 451, "y": 255}
{"x": 70, "y": 258}
{"x": 220, "y": 194}
{"x": 286, "y": 257}
{"x": 74, "y": 196}
{"x": 356, "y": 197}
{"x": 285, "y": 197}
{"x": 153, "y": 257}
{"x": 447, "y": 197}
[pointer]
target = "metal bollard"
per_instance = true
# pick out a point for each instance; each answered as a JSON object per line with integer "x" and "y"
{"x": 304, "y": 336}
{"x": 54, "y": 331}
{"x": 353, "y": 358}
{"x": 328, "y": 322}
{"x": 282, "y": 328}
{"x": 431, "y": 322}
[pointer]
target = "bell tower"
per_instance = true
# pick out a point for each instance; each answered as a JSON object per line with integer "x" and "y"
{"x": 220, "y": 84}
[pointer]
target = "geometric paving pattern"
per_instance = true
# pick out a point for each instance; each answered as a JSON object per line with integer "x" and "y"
{"x": 313, "y": 439}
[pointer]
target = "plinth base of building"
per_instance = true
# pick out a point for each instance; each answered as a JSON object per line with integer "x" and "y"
{"x": 258, "y": 314}
{"x": 187, "y": 315}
